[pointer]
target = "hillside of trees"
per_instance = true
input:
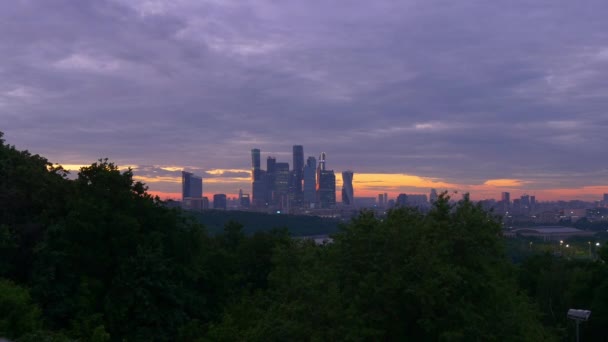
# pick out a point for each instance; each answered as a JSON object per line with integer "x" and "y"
{"x": 96, "y": 258}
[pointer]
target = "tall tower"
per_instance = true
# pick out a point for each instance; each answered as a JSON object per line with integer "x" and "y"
{"x": 322, "y": 161}
{"x": 281, "y": 185}
{"x": 506, "y": 201}
{"x": 298, "y": 173}
{"x": 433, "y": 197}
{"x": 310, "y": 181}
{"x": 258, "y": 185}
{"x": 348, "y": 193}
{"x": 192, "y": 186}
{"x": 326, "y": 184}
{"x": 270, "y": 177}
{"x": 255, "y": 159}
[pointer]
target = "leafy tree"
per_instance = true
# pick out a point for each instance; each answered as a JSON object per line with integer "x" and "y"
{"x": 18, "y": 315}
{"x": 437, "y": 276}
{"x": 119, "y": 260}
{"x": 32, "y": 196}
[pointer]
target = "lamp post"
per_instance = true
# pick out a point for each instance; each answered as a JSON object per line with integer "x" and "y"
{"x": 578, "y": 316}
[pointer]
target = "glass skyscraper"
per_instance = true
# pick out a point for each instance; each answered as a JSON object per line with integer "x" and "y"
{"x": 348, "y": 193}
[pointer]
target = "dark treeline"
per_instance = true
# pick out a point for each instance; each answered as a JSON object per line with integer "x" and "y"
{"x": 98, "y": 259}
{"x": 298, "y": 225}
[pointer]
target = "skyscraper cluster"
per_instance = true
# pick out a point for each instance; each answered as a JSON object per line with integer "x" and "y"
{"x": 305, "y": 185}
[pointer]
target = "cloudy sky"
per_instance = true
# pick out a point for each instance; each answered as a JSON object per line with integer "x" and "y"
{"x": 480, "y": 96}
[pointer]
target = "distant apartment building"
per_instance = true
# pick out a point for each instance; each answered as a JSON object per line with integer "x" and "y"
{"x": 433, "y": 196}
{"x": 401, "y": 200}
{"x": 381, "y": 201}
{"x": 365, "y": 202}
{"x": 220, "y": 201}
{"x": 192, "y": 186}
{"x": 417, "y": 200}
{"x": 192, "y": 191}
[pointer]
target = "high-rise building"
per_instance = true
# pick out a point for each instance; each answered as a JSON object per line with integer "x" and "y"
{"x": 310, "y": 182}
{"x": 381, "y": 202}
{"x": 244, "y": 201}
{"x": 298, "y": 174}
{"x": 532, "y": 202}
{"x": 220, "y": 201}
{"x": 255, "y": 159}
{"x": 322, "y": 161}
{"x": 281, "y": 184}
{"x": 506, "y": 198}
{"x": 192, "y": 186}
{"x": 433, "y": 197}
{"x": 326, "y": 188}
{"x": 417, "y": 200}
{"x": 606, "y": 198}
{"x": 348, "y": 193}
{"x": 270, "y": 178}
{"x": 258, "y": 184}
{"x": 401, "y": 200}
{"x": 326, "y": 185}
{"x": 525, "y": 202}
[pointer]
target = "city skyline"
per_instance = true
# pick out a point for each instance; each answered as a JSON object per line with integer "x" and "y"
{"x": 470, "y": 96}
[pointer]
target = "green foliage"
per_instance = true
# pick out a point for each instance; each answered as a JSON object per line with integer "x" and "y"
{"x": 18, "y": 315}
{"x": 558, "y": 284}
{"x": 438, "y": 276}
{"x": 298, "y": 225}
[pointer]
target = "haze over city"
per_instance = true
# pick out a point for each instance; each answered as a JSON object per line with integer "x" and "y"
{"x": 468, "y": 96}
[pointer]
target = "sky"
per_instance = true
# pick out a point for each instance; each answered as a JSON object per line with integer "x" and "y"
{"x": 468, "y": 96}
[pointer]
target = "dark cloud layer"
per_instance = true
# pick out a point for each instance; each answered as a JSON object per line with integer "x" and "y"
{"x": 463, "y": 91}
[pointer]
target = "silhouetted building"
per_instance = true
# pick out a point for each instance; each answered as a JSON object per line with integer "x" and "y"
{"x": 505, "y": 199}
{"x": 192, "y": 191}
{"x": 255, "y": 159}
{"x": 364, "y": 202}
{"x": 270, "y": 178}
{"x": 348, "y": 193}
{"x": 219, "y": 201}
{"x": 433, "y": 197}
{"x": 417, "y": 200}
{"x": 258, "y": 179}
{"x": 298, "y": 174}
{"x": 310, "y": 181}
{"x": 326, "y": 185}
{"x": 244, "y": 201}
{"x": 401, "y": 200}
{"x": 381, "y": 201}
{"x": 532, "y": 202}
{"x": 281, "y": 184}
{"x": 192, "y": 186}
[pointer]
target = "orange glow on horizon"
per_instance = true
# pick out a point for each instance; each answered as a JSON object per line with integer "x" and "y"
{"x": 504, "y": 182}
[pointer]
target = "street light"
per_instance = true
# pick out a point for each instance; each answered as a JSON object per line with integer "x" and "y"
{"x": 578, "y": 316}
